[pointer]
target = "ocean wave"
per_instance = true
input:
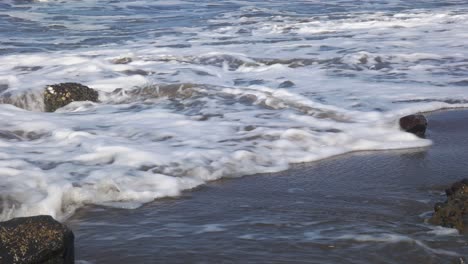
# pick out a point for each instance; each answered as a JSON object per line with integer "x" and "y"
{"x": 225, "y": 92}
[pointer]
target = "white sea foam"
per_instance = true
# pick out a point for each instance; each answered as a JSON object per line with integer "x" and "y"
{"x": 396, "y": 238}
{"x": 443, "y": 231}
{"x": 233, "y": 95}
{"x": 387, "y": 238}
{"x": 210, "y": 228}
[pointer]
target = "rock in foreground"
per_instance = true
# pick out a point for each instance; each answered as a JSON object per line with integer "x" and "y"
{"x": 453, "y": 213}
{"x": 59, "y": 95}
{"x": 415, "y": 124}
{"x": 37, "y": 239}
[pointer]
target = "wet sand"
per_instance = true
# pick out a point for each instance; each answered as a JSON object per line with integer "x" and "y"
{"x": 364, "y": 207}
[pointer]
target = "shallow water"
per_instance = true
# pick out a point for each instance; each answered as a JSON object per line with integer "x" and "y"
{"x": 194, "y": 91}
{"x": 366, "y": 207}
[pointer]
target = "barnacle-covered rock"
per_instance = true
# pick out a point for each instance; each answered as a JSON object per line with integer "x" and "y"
{"x": 36, "y": 239}
{"x": 453, "y": 213}
{"x": 59, "y": 95}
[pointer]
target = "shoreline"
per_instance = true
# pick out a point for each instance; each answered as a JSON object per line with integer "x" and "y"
{"x": 378, "y": 200}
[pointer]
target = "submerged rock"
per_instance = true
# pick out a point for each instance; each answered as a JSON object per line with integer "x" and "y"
{"x": 453, "y": 213}
{"x": 415, "y": 124}
{"x": 248, "y": 99}
{"x": 32, "y": 100}
{"x": 124, "y": 60}
{"x": 286, "y": 84}
{"x": 37, "y": 239}
{"x": 59, "y": 95}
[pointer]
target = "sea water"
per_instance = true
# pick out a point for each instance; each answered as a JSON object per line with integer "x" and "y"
{"x": 194, "y": 91}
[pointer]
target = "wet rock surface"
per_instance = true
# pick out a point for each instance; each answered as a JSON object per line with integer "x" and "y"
{"x": 124, "y": 60}
{"x": 248, "y": 99}
{"x": 453, "y": 212}
{"x": 37, "y": 239}
{"x": 286, "y": 84}
{"x": 59, "y": 95}
{"x": 415, "y": 124}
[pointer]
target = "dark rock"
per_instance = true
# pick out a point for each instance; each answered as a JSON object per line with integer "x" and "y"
{"x": 248, "y": 99}
{"x": 249, "y": 128}
{"x": 380, "y": 64}
{"x": 363, "y": 59}
{"x": 458, "y": 189}
{"x": 37, "y": 239}
{"x": 59, "y": 95}
{"x": 415, "y": 124}
{"x": 136, "y": 72}
{"x": 453, "y": 213}
{"x": 124, "y": 60}
{"x": 286, "y": 84}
